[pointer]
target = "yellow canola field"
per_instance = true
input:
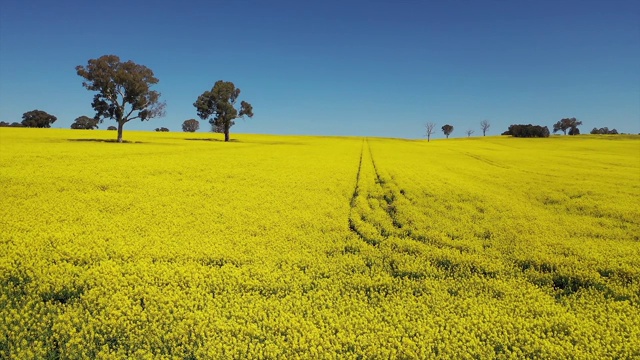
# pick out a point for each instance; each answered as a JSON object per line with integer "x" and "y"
{"x": 180, "y": 246}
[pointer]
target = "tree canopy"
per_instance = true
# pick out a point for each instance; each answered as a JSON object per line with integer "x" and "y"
{"x": 13, "y": 124}
{"x": 447, "y": 130}
{"x": 38, "y": 119}
{"x": 124, "y": 90}
{"x": 218, "y": 105}
{"x": 520, "y": 130}
{"x": 191, "y": 125}
{"x": 85, "y": 122}
{"x": 603, "y": 131}
{"x": 567, "y": 124}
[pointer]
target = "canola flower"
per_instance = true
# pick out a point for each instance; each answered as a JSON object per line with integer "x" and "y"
{"x": 176, "y": 246}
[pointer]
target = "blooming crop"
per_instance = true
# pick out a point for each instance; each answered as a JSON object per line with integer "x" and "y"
{"x": 178, "y": 246}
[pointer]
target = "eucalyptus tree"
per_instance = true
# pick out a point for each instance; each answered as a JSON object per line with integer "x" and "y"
{"x": 219, "y": 106}
{"x": 124, "y": 90}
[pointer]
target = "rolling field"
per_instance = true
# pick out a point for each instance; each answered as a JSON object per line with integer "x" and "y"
{"x": 178, "y": 245}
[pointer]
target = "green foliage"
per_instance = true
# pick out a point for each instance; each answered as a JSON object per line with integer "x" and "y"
{"x": 38, "y": 119}
{"x": 447, "y": 130}
{"x": 112, "y": 128}
{"x": 528, "y": 130}
{"x": 219, "y": 129}
{"x": 13, "y": 124}
{"x": 567, "y": 124}
{"x": 218, "y": 105}
{"x": 603, "y": 131}
{"x": 191, "y": 125}
{"x": 85, "y": 122}
{"x": 162, "y": 129}
{"x": 124, "y": 90}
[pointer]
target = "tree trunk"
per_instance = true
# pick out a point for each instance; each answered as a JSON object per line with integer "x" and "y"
{"x": 226, "y": 134}
{"x": 120, "y": 126}
{"x": 428, "y": 137}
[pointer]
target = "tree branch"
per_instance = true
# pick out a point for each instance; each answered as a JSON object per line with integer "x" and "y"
{"x": 129, "y": 114}
{"x": 119, "y": 91}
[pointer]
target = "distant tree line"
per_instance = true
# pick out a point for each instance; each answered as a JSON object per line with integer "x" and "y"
{"x": 123, "y": 93}
{"x": 603, "y": 131}
{"x": 448, "y": 129}
{"x": 519, "y": 130}
{"x": 569, "y": 126}
{"x": 529, "y": 130}
{"x": 13, "y": 124}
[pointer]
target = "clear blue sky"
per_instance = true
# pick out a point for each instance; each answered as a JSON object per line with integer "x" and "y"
{"x": 373, "y": 68}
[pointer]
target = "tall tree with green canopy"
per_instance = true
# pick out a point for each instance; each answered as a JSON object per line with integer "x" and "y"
{"x": 218, "y": 105}
{"x": 124, "y": 90}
